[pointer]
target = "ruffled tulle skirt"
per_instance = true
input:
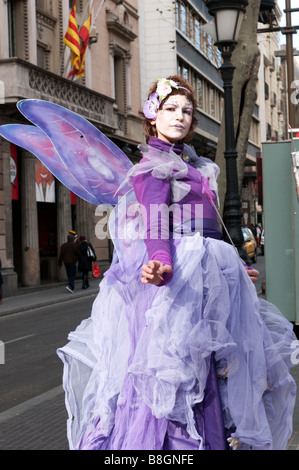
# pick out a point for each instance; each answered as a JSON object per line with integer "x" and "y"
{"x": 183, "y": 366}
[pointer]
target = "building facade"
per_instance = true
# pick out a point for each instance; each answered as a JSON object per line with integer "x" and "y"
{"x": 173, "y": 42}
{"x": 36, "y": 210}
{"x": 269, "y": 122}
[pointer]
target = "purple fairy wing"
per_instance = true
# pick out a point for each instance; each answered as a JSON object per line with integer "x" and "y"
{"x": 35, "y": 141}
{"x": 96, "y": 162}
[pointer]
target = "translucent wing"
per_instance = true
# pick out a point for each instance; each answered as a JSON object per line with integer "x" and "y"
{"x": 96, "y": 162}
{"x": 35, "y": 141}
{"x": 127, "y": 230}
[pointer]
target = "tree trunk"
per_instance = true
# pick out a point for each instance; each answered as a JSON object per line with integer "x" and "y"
{"x": 246, "y": 59}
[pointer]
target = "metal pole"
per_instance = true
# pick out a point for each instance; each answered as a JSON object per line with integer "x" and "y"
{"x": 290, "y": 63}
{"x": 232, "y": 206}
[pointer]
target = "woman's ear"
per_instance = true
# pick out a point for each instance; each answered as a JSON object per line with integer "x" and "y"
{"x": 153, "y": 123}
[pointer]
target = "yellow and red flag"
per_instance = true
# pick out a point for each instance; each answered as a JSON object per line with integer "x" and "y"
{"x": 72, "y": 40}
{"x": 84, "y": 36}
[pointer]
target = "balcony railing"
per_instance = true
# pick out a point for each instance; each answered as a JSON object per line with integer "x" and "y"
{"x": 22, "y": 80}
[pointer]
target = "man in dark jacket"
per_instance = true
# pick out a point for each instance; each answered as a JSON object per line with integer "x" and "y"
{"x": 69, "y": 255}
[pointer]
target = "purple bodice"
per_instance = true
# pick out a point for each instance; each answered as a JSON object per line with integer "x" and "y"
{"x": 151, "y": 191}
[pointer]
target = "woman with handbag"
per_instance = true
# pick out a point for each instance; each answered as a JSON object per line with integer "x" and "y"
{"x": 86, "y": 257}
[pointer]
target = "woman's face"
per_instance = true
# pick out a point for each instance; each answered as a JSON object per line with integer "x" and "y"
{"x": 173, "y": 121}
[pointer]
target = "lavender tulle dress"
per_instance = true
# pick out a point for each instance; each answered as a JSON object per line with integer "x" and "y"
{"x": 189, "y": 364}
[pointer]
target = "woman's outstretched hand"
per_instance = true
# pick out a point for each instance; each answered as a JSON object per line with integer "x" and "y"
{"x": 153, "y": 272}
{"x": 253, "y": 274}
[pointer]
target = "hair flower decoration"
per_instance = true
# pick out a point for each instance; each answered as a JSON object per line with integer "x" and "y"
{"x": 151, "y": 106}
{"x": 164, "y": 88}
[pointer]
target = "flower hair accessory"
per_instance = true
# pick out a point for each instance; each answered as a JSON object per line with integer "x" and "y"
{"x": 164, "y": 88}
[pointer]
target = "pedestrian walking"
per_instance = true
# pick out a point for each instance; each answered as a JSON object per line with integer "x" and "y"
{"x": 75, "y": 235}
{"x": 253, "y": 229}
{"x": 258, "y": 235}
{"x": 86, "y": 257}
{"x": 69, "y": 254}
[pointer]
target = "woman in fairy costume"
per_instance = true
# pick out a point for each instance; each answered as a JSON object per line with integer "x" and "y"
{"x": 179, "y": 352}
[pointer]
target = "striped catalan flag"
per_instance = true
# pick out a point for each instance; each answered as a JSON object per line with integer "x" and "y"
{"x": 84, "y": 36}
{"x": 72, "y": 39}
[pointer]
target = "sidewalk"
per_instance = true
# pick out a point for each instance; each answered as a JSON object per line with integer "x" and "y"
{"x": 41, "y": 296}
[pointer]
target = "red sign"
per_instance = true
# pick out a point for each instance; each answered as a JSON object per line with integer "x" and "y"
{"x": 73, "y": 199}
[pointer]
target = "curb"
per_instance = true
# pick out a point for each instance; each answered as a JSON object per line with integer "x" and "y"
{"x": 32, "y": 301}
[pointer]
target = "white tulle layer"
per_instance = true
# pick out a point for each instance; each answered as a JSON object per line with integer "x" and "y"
{"x": 163, "y": 338}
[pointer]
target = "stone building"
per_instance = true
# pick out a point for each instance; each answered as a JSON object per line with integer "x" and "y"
{"x": 35, "y": 63}
{"x": 173, "y": 42}
{"x": 269, "y": 121}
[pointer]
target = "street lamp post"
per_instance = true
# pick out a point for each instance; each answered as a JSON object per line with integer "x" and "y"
{"x": 228, "y": 17}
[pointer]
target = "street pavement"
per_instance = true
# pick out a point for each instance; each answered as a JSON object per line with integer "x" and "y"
{"x": 40, "y": 423}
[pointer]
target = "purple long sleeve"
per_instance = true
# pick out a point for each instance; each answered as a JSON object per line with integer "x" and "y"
{"x": 153, "y": 192}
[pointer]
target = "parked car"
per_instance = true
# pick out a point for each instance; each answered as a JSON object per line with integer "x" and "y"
{"x": 249, "y": 243}
{"x": 262, "y": 243}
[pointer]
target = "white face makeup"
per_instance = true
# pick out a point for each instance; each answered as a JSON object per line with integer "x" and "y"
{"x": 174, "y": 119}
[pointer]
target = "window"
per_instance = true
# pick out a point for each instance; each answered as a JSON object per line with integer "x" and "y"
{"x": 119, "y": 82}
{"x": 45, "y": 5}
{"x": 205, "y": 44}
{"x": 126, "y": 18}
{"x": 199, "y": 93}
{"x": 192, "y": 28}
{"x": 282, "y": 129}
{"x": 269, "y": 132}
{"x": 212, "y": 101}
{"x": 11, "y": 8}
{"x": 183, "y": 70}
{"x": 181, "y": 16}
{"x": 186, "y": 73}
{"x": 197, "y": 36}
{"x": 209, "y": 97}
{"x": 40, "y": 57}
{"x": 254, "y": 131}
{"x": 188, "y": 21}
{"x": 210, "y": 47}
